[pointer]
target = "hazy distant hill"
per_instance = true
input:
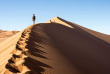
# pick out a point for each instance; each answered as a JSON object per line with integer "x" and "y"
{"x": 6, "y": 34}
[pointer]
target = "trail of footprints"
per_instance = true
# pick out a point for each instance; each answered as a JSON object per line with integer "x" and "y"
{"x": 16, "y": 63}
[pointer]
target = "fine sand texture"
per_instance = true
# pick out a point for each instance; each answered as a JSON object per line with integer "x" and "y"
{"x": 56, "y": 47}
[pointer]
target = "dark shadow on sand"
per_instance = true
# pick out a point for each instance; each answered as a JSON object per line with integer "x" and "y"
{"x": 35, "y": 50}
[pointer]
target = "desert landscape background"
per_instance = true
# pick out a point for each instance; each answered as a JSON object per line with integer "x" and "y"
{"x": 5, "y": 34}
{"x": 55, "y": 47}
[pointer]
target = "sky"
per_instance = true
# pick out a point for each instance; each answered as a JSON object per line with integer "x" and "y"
{"x": 92, "y": 14}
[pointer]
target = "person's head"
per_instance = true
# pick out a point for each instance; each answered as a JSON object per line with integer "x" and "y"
{"x": 33, "y": 14}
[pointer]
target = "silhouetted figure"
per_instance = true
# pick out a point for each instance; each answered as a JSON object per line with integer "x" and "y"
{"x": 33, "y": 18}
{"x": 50, "y": 21}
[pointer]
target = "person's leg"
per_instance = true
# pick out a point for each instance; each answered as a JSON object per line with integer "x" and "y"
{"x": 33, "y": 22}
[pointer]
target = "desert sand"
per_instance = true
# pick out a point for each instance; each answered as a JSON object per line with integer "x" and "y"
{"x": 56, "y": 47}
{"x": 6, "y": 34}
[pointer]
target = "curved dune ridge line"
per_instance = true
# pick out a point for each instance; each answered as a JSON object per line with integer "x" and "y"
{"x": 55, "y": 47}
{"x": 72, "y": 25}
{"x": 57, "y": 20}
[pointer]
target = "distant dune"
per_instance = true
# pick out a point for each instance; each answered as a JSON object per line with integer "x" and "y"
{"x": 56, "y": 47}
{"x": 5, "y": 34}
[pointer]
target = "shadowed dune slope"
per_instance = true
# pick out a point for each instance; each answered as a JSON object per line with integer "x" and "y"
{"x": 56, "y": 47}
{"x": 88, "y": 54}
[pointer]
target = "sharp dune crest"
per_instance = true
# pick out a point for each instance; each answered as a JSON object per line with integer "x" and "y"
{"x": 72, "y": 25}
{"x": 55, "y": 47}
{"x": 57, "y": 20}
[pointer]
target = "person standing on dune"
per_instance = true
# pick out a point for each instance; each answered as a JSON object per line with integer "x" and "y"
{"x": 33, "y": 18}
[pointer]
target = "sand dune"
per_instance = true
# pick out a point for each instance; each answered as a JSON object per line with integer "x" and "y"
{"x": 6, "y": 34}
{"x": 72, "y": 25}
{"x": 55, "y": 47}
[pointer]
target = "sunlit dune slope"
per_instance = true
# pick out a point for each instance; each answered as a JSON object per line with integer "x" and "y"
{"x": 6, "y": 34}
{"x": 6, "y": 47}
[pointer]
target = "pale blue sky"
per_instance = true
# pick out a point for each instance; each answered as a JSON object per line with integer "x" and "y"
{"x": 93, "y": 14}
